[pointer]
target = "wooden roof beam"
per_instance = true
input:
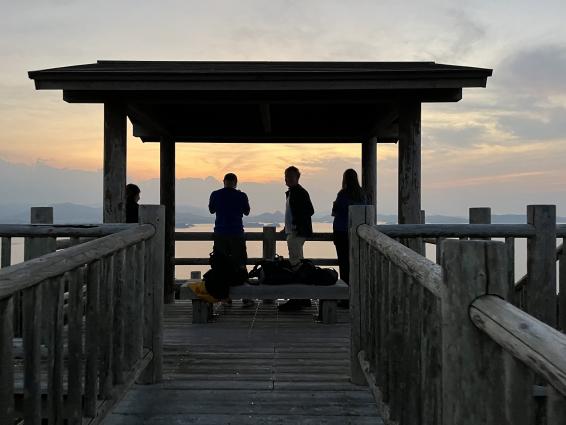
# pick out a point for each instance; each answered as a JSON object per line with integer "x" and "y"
{"x": 139, "y": 116}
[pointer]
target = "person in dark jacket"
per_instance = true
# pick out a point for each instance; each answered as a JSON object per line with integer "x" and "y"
{"x": 230, "y": 205}
{"x": 350, "y": 194}
{"x": 132, "y": 199}
{"x": 298, "y": 225}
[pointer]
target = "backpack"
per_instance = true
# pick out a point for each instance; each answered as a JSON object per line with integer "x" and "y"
{"x": 273, "y": 272}
{"x": 223, "y": 273}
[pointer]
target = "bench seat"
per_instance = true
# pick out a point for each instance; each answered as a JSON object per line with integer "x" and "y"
{"x": 328, "y": 296}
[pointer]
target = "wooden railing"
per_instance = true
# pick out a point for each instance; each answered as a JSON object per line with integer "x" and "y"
{"x": 269, "y": 237}
{"x": 108, "y": 336}
{"x": 415, "y": 337}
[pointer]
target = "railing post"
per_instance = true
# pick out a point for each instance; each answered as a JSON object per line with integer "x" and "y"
{"x": 358, "y": 214}
{"x": 36, "y": 247}
{"x": 473, "y": 382}
{"x": 154, "y": 281}
{"x": 480, "y": 215}
{"x": 6, "y": 362}
{"x": 562, "y": 287}
{"x": 541, "y": 264}
{"x": 269, "y": 242}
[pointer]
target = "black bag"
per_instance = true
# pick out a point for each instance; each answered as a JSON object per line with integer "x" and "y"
{"x": 224, "y": 272}
{"x": 273, "y": 272}
{"x": 325, "y": 277}
{"x": 310, "y": 274}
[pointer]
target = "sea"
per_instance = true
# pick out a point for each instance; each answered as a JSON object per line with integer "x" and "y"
{"x": 312, "y": 249}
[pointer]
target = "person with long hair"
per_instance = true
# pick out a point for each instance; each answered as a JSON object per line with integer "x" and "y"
{"x": 132, "y": 207}
{"x": 350, "y": 194}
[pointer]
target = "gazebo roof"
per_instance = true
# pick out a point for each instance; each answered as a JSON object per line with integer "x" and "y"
{"x": 261, "y": 101}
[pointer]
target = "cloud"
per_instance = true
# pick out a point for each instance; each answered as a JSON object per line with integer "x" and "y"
{"x": 537, "y": 70}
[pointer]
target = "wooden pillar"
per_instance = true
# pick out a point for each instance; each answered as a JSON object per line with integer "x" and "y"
{"x": 358, "y": 214}
{"x": 167, "y": 199}
{"x": 153, "y": 292}
{"x": 473, "y": 385}
{"x": 114, "y": 163}
{"x": 409, "y": 190}
{"x": 541, "y": 264}
{"x": 369, "y": 171}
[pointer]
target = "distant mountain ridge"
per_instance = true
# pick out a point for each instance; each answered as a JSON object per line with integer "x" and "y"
{"x": 187, "y": 215}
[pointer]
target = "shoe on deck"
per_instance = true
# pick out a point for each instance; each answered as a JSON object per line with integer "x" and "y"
{"x": 294, "y": 305}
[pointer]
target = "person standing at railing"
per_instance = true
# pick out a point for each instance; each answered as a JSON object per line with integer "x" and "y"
{"x": 298, "y": 226}
{"x": 132, "y": 206}
{"x": 230, "y": 205}
{"x": 350, "y": 194}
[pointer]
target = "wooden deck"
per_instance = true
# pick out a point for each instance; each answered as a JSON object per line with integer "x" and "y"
{"x": 251, "y": 366}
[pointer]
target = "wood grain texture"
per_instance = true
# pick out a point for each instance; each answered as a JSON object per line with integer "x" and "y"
{"x": 541, "y": 268}
{"x": 424, "y": 271}
{"x": 6, "y": 362}
{"x": 114, "y": 178}
{"x": 536, "y": 344}
{"x": 154, "y": 290}
{"x": 167, "y": 199}
{"x": 471, "y": 363}
{"x": 31, "y": 332}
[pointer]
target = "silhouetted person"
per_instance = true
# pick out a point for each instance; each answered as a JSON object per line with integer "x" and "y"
{"x": 298, "y": 225}
{"x": 350, "y": 194}
{"x": 230, "y": 205}
{"x": 132, "y": 206}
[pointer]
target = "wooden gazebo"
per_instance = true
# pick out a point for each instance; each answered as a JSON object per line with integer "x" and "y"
{"x": 260, "y": 102}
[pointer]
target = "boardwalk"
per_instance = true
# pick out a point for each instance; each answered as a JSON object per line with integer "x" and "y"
{"x": 252, "y": 366}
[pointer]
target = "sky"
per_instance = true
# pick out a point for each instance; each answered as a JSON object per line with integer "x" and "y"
{"x": 503, "y": 146}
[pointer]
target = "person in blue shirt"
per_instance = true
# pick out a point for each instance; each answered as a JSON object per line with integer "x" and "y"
{"x": 351, "y": 194}
{"x": 230, "y": 205}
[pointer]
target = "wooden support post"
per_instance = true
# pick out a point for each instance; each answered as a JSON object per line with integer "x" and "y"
{"x": 75, "y": 280}
{"x": 562, "y": 287}
{"x": 472, "y": 363}
{"x": 409, "y": 197}
{"x": 6, "y": 260}
{"x": 480, "y": 215}
{"x": 6, "y": 362}
{"x": 269, "y": 242}
{"x": 53, "y": 301}
{"x": 369, "y": 171}
{"x": 119, "y": 313}
{"x": 92, "y": 338}
{"x": 167, "y": 199}
{"x": 106, "y": 327}
{"x": 115, "y": 143}
{"x": 359, "y": 214}
{"x": 36, "y": 247}
{"x": 154, "y": 282}
{"x": 31, "y": 332}
{"x": 541, "y": 264}
{"x": 200, "y": 311}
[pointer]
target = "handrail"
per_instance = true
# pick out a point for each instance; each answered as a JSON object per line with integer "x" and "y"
{"x": 249, "y": 236}
{"x": 424, "y": 271}
{"x": 457, "y": 230}
{"x": 536, "y": 344}
{"x": 30, "y": 273}
{"x": 201, "y": 261}
{"x": 61, "y": 230}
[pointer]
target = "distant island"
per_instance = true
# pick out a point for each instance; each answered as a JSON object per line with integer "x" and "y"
{"x": 187, "y": 216}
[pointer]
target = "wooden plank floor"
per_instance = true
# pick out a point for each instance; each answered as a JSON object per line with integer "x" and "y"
{"x": 251, "y": 366}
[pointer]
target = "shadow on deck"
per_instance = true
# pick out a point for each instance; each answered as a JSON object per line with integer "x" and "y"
{"x": 251, "y": 366}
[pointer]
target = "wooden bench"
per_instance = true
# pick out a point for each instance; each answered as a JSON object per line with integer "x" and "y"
{"x": 328, "y": 296}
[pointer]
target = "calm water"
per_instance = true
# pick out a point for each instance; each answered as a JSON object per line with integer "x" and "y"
{"x": 312, "y": 249}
